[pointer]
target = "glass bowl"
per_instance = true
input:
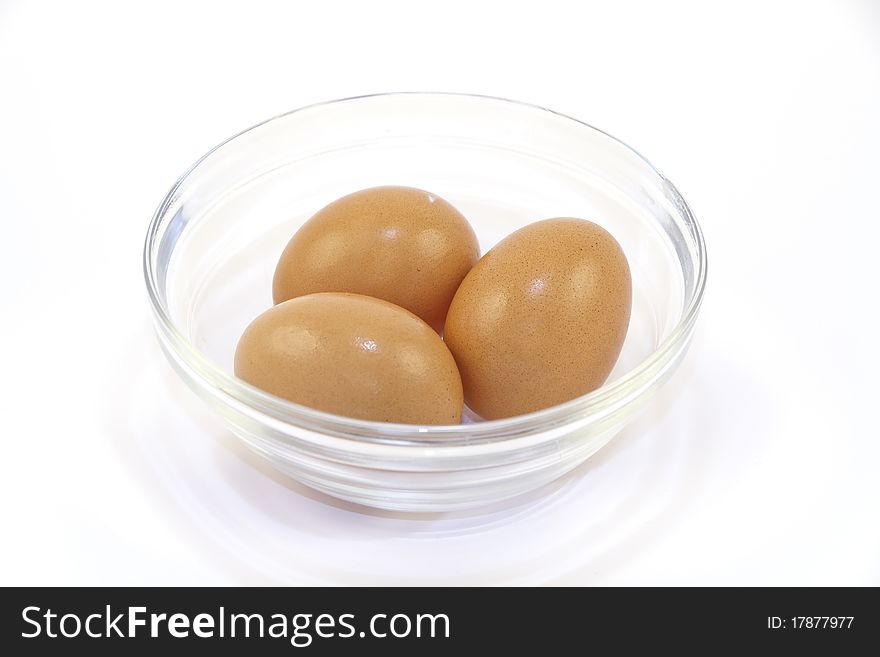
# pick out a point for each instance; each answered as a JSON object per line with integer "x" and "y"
{"x": 213, "y": 243}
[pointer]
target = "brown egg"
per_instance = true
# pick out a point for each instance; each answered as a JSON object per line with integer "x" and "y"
{"x": 404, "y": 245}
{"x": 352, "y": 355}
{"x": 541, "y": 318}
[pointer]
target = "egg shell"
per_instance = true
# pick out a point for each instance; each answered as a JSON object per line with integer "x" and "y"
{"x": 400, "y": 244}
{"x": 352, "y": 355}
{"x": 541, "y": 318}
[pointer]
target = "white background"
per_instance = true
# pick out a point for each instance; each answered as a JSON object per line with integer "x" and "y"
{"x": 758, "y": 464}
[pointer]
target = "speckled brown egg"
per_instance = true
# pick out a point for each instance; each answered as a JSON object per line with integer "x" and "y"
{"x": 541, "y": 318}
{"x": 352, "y": 355}
{"x": 400, "y": 244}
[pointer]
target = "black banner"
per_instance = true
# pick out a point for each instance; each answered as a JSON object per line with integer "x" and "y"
{"x": 113, "y": 621}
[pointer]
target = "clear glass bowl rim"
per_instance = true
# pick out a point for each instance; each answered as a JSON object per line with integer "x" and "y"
{"x": 273, "y": 410}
